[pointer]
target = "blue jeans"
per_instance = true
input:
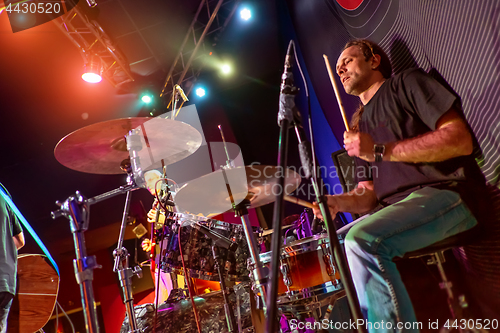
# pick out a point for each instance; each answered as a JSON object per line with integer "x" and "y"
{"x": 426, "y": 216}
{"x": 5, "y": 303}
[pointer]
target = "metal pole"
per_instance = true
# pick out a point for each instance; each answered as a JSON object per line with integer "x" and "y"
{"x": 259, "y": 273}
{"x": 124, "y": 272}
{"x": 228, "y": 310}
{"x": 335, "y": 248}
{"x": 75, "y": 209}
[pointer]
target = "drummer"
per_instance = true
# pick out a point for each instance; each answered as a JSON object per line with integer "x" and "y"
{"x": 410, "y": 133}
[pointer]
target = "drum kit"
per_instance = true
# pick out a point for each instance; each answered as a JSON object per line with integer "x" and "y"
{"x": 197, "y": 246}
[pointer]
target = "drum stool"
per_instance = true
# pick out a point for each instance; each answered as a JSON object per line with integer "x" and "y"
{"x": 457, "y": 304}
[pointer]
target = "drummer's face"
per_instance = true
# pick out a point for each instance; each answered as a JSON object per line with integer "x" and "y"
{"x": 354, "y": 70}
{"x": 151, "y": 178}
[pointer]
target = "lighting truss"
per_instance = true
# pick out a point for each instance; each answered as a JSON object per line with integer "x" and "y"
{"x": 89, "y": 37}
{"x": 210, "y": 20}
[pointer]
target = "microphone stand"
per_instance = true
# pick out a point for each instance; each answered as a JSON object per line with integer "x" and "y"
{"x": 287, "y": 117}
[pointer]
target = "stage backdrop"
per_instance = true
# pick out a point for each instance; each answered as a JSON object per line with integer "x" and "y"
{"x": 456, "y": 40}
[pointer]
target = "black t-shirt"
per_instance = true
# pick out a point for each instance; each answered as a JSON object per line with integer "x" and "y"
{"x": 405, "y": 106}
{"x": 9, "y": 227}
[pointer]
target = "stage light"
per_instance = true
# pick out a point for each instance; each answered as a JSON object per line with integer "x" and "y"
{"x": 200, "y": 92}
{"x": 92, "y": 70}
{"x": 246, "y": 14}
{"x": 91, "y": 3}
{"x": 146, "y": 99}
{"x": 91, "y": 77}
{"x": 226, "y": 69}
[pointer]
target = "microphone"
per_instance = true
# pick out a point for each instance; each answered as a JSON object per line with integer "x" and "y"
{"x": 287, "y": 90}
{"x": 134, "y": 145}
{"x": 217, "y": 238}
{"x": 181, "y": 92}
{"x": 287, "y": 77}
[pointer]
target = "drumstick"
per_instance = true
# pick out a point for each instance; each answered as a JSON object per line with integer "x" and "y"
{"x": 299, "y": 201}
{"x": 336, "y": 89}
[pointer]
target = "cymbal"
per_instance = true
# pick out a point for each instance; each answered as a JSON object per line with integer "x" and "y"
{"x": 100, "y": 148}
{"x": 208, "y": 195}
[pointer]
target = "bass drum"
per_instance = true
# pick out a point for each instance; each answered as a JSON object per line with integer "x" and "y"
{"x": 179, "y": 316}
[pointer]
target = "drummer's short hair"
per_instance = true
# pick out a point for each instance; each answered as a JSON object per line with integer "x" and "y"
{"x": 369, "y": 49}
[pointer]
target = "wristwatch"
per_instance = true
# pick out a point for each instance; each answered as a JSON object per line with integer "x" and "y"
{"x": 378, "y": 152}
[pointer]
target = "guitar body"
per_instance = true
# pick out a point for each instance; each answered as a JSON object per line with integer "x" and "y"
{"x": 37, "y": 288}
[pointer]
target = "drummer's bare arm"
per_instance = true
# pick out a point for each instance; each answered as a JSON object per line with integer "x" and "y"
{"x": 359, "y": 200}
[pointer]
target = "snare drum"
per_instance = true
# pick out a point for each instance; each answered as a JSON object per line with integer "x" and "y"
{"x": 197, "y": 249}
{"x": 306, "y": 269}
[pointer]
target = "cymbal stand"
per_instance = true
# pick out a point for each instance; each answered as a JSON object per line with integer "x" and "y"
{"x": 287, "y": 117}
{"x": 76, "y": 209}
{"x": 121, "y": 255}
{"x": 228, "y": 309}
{"x": 260, "y": 272}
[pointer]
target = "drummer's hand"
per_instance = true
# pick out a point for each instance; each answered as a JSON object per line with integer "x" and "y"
{"x": 146, "y": 245}
{"x": 359, "y": 144}
{"x": 152, "y": 216}
{"x": 331, "y": 202}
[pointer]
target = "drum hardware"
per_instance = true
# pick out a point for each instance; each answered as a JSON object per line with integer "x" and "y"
{"x": 305, "y": 271}
{"x": 76, "y": 210}
{"x": 197, "y": 248}
{"x": 330, "y": 269}
{"x": 104, "y": 148}
{"x": 256, "y": 189}
{"x": 287, "y": 278}
{"x": 288, "y": 117}
{"x": 227, "y": 307}
{"x": 333, "y": 299}
{"x": 179, "y": 317}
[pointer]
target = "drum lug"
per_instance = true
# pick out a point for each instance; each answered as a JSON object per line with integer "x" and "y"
{"x": 287, "y": 277}
{"x": 228, "y": 266}
{"x": 203, "y": 262}
{"x": 330, "y": 268}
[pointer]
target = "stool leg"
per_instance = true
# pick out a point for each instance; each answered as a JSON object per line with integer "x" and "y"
{"x": 456, "y": 305}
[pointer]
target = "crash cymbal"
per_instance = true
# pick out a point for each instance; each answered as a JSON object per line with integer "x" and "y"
{"x": 208, "y": 195}
{"x": 100, "y": 148}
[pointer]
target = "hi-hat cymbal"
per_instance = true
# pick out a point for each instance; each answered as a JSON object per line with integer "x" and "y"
{"x": 100, "y": 148}
{"x": 209, "y": 195}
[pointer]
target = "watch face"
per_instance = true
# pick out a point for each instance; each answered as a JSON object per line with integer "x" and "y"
{"x": 379, "y": 149}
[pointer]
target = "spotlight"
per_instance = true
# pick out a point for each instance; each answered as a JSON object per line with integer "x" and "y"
{"x": 92, "y": 70}
{"x": 146, "y": 99}
{"x": 91, "y": 3}
{"x": 226, "y": 69}
{"x": 246, "y": 14}
{"x": 200, "y": 92}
